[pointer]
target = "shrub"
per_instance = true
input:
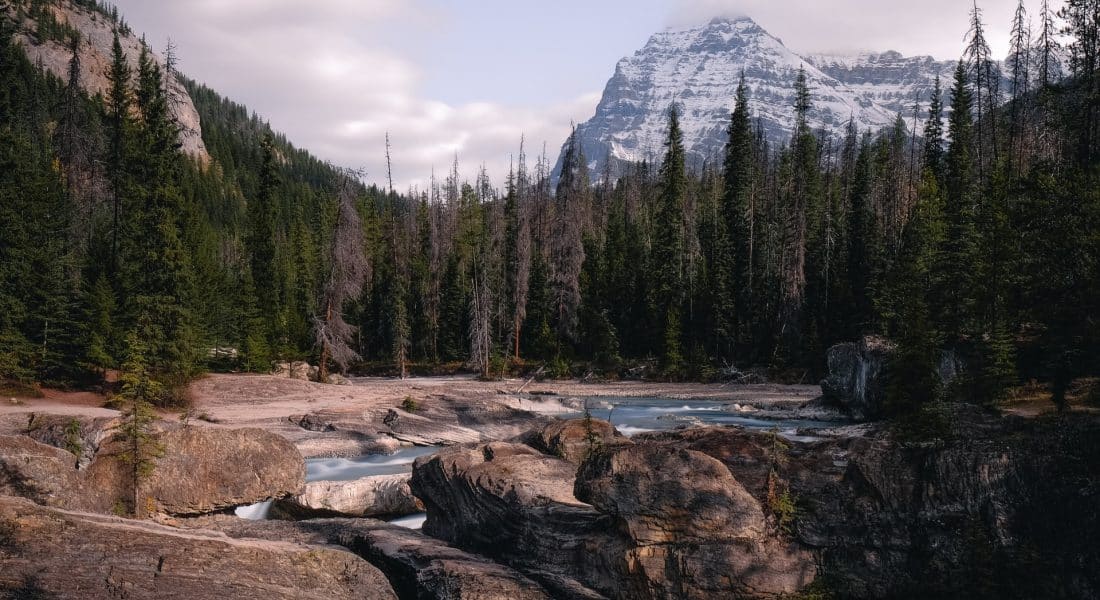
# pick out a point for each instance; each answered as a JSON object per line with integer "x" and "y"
{"x": 410, "y": 405}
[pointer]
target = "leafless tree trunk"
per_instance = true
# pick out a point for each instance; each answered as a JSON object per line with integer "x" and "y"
{"x": 348, "y": 272}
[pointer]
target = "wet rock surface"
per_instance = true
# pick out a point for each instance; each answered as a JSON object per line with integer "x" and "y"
{"x": 856, "y": 383}
{"x": 47, "y": 553}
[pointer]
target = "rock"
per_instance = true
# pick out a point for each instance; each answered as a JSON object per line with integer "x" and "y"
{"x": 507, "y": 501}
{"x": 336, "y": 379}
{"x": 693, "y": 498}
{"x": 377, "y": 496}
{"x": 206, "y": 470}
{"x": 573, "y": 440}
{"x": 313, "y": 422}
{"x": 856, "y": 381}
{"x": 51, "y": 553}
{"x": 82, "y": 436}
{"x": 514, "y": 504}
{"x": 421, "y": 430}
{"x": 200, "y": 471}
{"x": 44, "y": 474}
{"x": 416, "y": 565}
{"x": 987, "y": 508}
{"x": 95, "y": 58}
{"x": 302, "y": 371}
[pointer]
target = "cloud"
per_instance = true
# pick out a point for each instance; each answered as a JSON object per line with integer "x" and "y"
{"x": 935, "y": 27}
{"x": 325, "y": 75}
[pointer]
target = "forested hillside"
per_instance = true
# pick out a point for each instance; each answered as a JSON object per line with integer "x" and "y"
{"x": 974, "y": 241}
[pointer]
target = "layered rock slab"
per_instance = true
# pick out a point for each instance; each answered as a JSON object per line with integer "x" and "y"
{"x": 51, "y": 553}
{"x": 418, "y": 567}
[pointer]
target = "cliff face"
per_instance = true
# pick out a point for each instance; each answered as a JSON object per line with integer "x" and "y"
{"x": 97, "y": 35}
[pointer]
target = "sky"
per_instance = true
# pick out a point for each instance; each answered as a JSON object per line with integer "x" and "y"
{"x": 472, "y": 77}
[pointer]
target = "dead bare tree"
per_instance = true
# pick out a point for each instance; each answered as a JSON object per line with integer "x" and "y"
{"x": 481, "y": 333}
{"x": 348, "y": 270}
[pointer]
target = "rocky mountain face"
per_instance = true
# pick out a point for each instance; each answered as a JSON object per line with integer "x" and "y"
{"x": 96, "y": 38}
{"x": 699, "y": 68}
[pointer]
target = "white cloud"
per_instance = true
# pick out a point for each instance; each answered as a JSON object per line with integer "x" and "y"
{"x": 323, "y": 76}
{"x": 934, "y": 27}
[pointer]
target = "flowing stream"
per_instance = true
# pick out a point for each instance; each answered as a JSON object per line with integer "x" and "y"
{"x": 632, "y": 416}
{"x": 350, "y": 469}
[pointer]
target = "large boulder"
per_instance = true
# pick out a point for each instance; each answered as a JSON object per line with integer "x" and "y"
{"x": 41, "y": 473}
{"x": 694, "y": 498}
{"x": 656, "y": 524}
{"x": 574, "y": 439}
{"x": 856, "y": 382}
{"x": 204, "y": 470}
{"x": 199, "y": 471}
{"x": 376, "y": 496}
{"x": 507, "y": 501}
{"x": 47, "y": 553}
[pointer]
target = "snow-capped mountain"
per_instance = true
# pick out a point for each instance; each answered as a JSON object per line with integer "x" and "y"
{"x": 698, "y": 68}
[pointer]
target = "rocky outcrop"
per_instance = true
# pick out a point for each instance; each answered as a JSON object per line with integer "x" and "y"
{"x": 679, "y": 527}
{"x": 82, "y": 436}
{"x": 199, "y": 471}
{"x": 302, "y": 371}
{"x": 973, "y": 505}
{"x": 574, "y": 439}
{"x": 206, "y": 470}
{"x": 985, "y": 507}
{"x": 47, "y": 553}
{"x": 377, "y": 496}
{"x": 507, "y": 501}
{"x": 856, "y": 382}
{"x": 97, "y": 35}
{"x": 41, "y": 473}
{"x": 418, "y": 567}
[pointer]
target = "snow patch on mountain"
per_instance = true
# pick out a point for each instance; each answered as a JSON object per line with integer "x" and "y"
{"x": 698, "y": 68}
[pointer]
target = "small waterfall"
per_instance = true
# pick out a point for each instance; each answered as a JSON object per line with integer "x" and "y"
{"x": 256, "y": 512}
{"x": 415, "y": 522}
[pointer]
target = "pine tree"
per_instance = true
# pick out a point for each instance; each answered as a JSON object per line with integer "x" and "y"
{"x": 863, "y": 246}
{"x": 140, "y": 391}
{"x": 118, "y": 123}
{"x": 933, "y": 132}
{"x": 1048, "y": 47}
{"x": 157, "y": 276}
{"x": 668, "y": 247}
{"x": 567, "y": 243}
{"x": 263, "y": 214}
{"x": 957, "y": 256}
{"x": 739, "y": 212}
{"x": 98, "y": 322}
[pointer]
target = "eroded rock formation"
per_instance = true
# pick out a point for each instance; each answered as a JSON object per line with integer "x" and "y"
{"x": 48, "y": 553}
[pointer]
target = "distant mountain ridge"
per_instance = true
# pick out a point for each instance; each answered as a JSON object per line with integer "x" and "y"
{"x": 698, "y": 68}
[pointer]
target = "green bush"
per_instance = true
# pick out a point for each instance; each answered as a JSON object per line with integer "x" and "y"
{"x": 410, "y": 405}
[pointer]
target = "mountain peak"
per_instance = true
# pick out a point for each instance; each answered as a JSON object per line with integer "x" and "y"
{"x": 699, "y": 67}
